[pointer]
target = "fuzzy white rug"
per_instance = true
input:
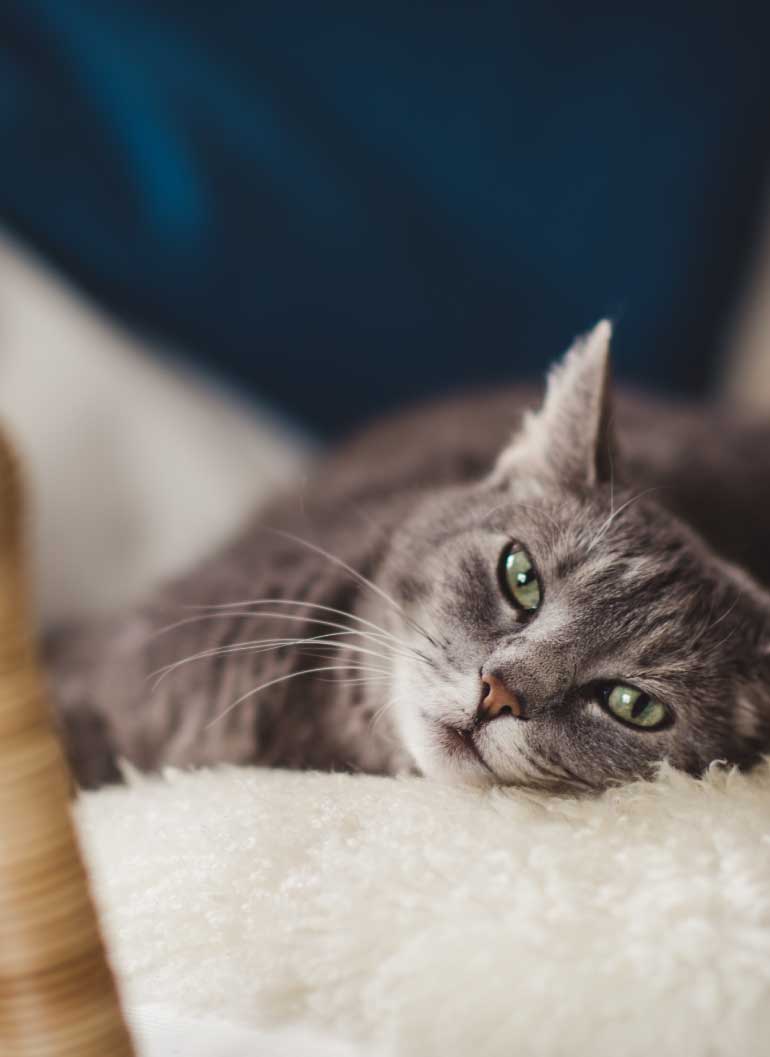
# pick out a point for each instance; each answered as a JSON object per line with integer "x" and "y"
{"x": 414, "y": 919}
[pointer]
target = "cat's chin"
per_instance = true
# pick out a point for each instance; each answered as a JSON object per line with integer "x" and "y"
{"x": 447, "y": 754}
{"x": 454, "y": 770}
{"x": 461, "y": 749}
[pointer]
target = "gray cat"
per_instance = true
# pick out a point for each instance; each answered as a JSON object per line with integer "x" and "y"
{"x": 561, "y": 610}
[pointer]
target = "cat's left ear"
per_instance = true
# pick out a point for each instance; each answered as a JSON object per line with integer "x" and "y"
{"x": 570, "y": 437}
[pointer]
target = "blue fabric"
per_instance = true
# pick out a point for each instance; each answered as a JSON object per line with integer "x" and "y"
{"x": 342, "y": 207}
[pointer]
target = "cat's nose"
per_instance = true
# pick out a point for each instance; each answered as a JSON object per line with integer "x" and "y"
{"x": 497, "y": 700}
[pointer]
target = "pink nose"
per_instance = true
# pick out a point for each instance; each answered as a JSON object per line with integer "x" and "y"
{"x": 497, "y": 699}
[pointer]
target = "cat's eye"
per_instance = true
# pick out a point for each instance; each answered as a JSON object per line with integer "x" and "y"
{"x": 634, "y": 707}
{"x": 519, "y": 578}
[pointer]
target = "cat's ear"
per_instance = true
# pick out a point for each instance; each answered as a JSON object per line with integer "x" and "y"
{"x": 570, "y": 437}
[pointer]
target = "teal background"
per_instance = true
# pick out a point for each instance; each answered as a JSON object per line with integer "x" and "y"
{"x": 340, "y": 207}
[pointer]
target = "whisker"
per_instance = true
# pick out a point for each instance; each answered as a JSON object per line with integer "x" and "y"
{"x": 335, "y": 560}
{"x": 724, "y": 616}
{"x": 309, "y": 605}
{"x": 372, "y": 680}
{"x": 314, "y": 651}
{"x": 342, "y": 628}
{"x": 724, "y": 641}
{"x": 255, "y": 645}
{"x": 616, "y": 513}
{"x": 356, "y": 649}
{"x": 283, "y": 679}
{"x": 260, "y": 613}
{"x": 266, "y": 645}
{"x": 382, "y": 711}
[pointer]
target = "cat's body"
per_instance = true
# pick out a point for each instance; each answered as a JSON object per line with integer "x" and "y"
{"x": 387, "y": 505}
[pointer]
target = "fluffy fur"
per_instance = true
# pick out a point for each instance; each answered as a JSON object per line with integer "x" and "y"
{"x": 648, "y": 527}
{"x": 441, "y": 921}
{"x": 162, "y": 1032}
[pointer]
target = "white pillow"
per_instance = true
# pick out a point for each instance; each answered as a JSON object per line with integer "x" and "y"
{"x": 136, "y": 467}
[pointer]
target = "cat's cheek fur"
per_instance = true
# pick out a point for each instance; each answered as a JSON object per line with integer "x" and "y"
{"x": 422, "y": 718}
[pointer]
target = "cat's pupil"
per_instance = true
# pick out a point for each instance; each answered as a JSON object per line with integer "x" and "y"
{"x": 639, "y": 705}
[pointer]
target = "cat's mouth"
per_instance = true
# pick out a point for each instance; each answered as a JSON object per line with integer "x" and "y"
{"x": 462, "y": 743}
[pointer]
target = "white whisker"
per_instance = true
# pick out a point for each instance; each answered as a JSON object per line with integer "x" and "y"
{"x": 309, "y": 605}
{"x": 724, "y": 616}
{"x": 283, "y": 679}
{"x": 382, "y": 711}
{"x": 616, "y": 513}
{"x": 260, "y": 614}
{"x": 343, "y": 629}
{"x": 252, "y": 645}
{"x": 356, "y": 574}
{"x": 372, "y": 680}
{"x": 724, "y": 641}
{"x": 256, "y": 646}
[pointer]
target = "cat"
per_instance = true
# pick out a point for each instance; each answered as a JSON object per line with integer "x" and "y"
{"x": 475, "y": 591}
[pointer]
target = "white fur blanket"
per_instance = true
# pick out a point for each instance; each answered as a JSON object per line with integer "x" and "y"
{"x": 414, "y": 919}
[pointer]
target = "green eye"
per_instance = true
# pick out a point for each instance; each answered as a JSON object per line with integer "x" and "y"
{"x": 632, "y": 706}
{"x": 520, "y": 581}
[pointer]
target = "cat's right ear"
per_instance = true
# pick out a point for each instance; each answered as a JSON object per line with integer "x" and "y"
{"x": 570, "y": 438}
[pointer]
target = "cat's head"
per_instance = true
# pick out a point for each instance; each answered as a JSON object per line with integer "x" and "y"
{"x": 570, "y": 631}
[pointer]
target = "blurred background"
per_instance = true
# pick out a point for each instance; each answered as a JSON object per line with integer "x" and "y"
{"x": 233, "y": 232}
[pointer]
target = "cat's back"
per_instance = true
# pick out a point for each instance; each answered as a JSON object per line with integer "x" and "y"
{"x": 709, "y": 463}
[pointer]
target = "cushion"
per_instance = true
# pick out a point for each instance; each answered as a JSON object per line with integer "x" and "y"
{"x": 136, "y": 467}
{"x": 407, "y": 917}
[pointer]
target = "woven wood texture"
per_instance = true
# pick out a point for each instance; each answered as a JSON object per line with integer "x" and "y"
{"x": 57, "y": 994}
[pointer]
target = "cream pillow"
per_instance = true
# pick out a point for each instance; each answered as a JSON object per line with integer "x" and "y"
{"x": 136, "y": 467}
